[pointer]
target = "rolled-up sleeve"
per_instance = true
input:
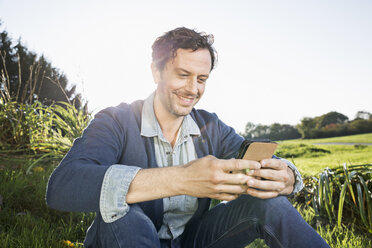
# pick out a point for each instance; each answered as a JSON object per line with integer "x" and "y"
{"x": 114, "y": 190}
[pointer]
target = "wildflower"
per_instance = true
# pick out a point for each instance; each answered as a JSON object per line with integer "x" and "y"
{"x": 68, "y": 243}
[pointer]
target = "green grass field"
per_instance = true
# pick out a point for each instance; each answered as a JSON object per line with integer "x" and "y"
{"x": 338, "y": 154}
{"x": 26, "y": 221}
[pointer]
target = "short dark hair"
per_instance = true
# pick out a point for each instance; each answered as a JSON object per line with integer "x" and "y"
{"x": 165, "y": 47}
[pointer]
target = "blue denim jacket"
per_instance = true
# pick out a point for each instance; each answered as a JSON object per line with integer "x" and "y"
{"x": 113, "y": 138}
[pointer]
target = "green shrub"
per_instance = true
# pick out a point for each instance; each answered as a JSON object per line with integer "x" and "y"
{"x": 38, "y": 129}
{"x": 360, "y": 146}
{"x": 341, "y": 196}
{"x": 18, "y": 123}
{"x": 301, "y": 150}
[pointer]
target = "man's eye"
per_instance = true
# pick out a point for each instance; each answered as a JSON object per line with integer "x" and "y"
{"x": 183, "y": 75}
{"x": 202, "y": 80}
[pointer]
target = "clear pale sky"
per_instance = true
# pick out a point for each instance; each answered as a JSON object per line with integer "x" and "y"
{"x": 279, "y": 61}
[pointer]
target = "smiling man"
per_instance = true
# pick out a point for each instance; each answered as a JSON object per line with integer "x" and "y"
{"x": 150, "y": 168}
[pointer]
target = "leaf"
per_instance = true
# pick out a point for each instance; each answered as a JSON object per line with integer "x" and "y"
{"x": 369, "y": 202}
{"x": 321, "y": 191}
{"x": 328, "y": 197}
{"x": 347, "y": 178}
{"x": 341, "y": 203}
{"x": 362, "y": 211}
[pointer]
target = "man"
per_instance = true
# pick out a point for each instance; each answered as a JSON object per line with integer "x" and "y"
{"x": 148, "y": 169}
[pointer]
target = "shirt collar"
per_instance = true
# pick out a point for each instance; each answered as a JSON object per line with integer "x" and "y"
{"x": 150, "y": 126}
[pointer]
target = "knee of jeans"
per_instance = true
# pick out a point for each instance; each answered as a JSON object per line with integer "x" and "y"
{"x": 276, "y": 206}
{"x": 279, "y": 202}
{"x": 132, "y": 230}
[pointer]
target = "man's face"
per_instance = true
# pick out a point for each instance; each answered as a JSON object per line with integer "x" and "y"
{"x": 182, "y": 82}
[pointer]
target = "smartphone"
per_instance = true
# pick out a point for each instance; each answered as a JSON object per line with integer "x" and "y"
{"x": 256, "y": 150}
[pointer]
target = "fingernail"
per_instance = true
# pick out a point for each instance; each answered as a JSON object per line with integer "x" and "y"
{"x": 250, "y": 182}
{"x": 250, "y": 172}
{"x": 263, "y": 163}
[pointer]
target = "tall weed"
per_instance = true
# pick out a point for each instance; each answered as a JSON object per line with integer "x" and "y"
{"x": 341, "y": 196}
{"x": 40, "y": 129}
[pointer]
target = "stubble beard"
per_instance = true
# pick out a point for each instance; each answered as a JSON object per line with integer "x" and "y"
{"x": 178, "y": 110}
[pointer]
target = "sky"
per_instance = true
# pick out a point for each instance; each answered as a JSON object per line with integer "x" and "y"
{"x": 278, "y": 61}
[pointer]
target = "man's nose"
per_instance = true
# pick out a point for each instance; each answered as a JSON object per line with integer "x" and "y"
{"x": 192, "y": 85}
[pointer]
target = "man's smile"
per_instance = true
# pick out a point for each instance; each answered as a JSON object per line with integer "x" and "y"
{"x": 187, "y": 99}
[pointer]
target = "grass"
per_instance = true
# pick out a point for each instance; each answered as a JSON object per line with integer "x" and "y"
{"x": 344, "y": 236}
{"x": 338, "y": 154}
{"x": 26, "y": 221}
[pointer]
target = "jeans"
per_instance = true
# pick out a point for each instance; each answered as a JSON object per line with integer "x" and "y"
{"x": 231, "y": 224}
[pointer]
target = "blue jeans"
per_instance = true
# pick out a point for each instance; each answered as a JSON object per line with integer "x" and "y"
{"x": 232, "y": 224}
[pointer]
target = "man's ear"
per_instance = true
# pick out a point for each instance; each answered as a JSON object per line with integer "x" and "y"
{"x": 156, "y": 74}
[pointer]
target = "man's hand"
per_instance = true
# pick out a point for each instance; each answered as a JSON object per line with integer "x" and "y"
{"x": 279, "y": 179}
{"x": 207, "y": 177}
{"x": 211, "y": 177}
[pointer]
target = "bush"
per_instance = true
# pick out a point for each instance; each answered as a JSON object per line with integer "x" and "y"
{"x": 319, "y": 127}
{"x": 302, "y": 150}
{"x": 37, "y": 129}
{"x": 340, "y": 196}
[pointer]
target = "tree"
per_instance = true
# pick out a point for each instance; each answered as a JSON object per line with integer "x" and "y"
{"x": 363, "y": 115}
{"x": 249, "y": 127}
{"x": 26, "y": 77}
{"x": 307, "y": 128}
{"x": 261, "y": 132}
{"x": 360, "y": 126}
{"x": 327, "y": 125}
{"x": 331, "y": 118}
{"x": 275, "y": 131}
{"x": 283, "y": 132}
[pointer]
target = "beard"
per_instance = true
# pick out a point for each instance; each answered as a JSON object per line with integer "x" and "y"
{"x": 180, "y": 102}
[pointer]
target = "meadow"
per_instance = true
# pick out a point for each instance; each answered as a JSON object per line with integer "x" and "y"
{"x": 26, "y": 221}
{"x": 310, "y": 161}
